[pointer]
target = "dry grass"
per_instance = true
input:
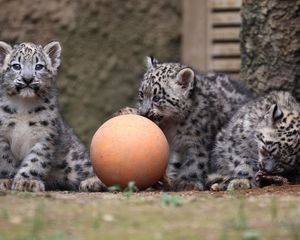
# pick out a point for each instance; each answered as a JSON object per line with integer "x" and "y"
{"x": 269, "y": 213}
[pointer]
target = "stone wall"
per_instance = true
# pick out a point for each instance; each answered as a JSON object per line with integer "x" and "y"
{"x": 104, "y": 44}
{"x": 270, "y": 45}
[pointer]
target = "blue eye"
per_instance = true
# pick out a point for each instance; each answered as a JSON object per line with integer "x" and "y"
{"x": 16, "y": 66}
{"x": 156, "y": 98}
{"x": 39, "y": 67}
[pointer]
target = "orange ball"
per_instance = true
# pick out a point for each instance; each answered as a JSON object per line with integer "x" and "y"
{"x": 129, "y": 148}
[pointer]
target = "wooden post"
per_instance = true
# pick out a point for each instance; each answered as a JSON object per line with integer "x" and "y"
{"x": 195, "y": 26}
{"x": 211, "y": 35}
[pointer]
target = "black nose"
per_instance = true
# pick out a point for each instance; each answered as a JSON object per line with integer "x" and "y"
{"x": 27, "y": 80}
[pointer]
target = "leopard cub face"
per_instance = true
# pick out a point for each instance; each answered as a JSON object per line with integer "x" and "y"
{"x": 165, "y": 90}
{"x": 278, "y": 138}
{"x": 28, "y": 70}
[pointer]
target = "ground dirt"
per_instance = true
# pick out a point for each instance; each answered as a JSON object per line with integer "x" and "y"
{"x": 267, "y": 213}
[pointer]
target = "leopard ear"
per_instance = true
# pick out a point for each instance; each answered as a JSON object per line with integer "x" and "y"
{"x": 275, "y": 113}
{"x": 185, "y": 78}
{"x": 53, "y": 51}
{"x": 5, "y": 49}
{"x": 151, "y": 62}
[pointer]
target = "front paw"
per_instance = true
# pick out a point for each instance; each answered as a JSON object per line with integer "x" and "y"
{"x": 164, "y": 184}
{"x": 5, "y": 184}
{"x": 92, "y": 184}
{"x": 28, "y": 185}
{"x": 216, "y": 182}
{"x": 237, "y": 184}
{"x": 126, "y": 110}
{"x": 185, "y": 185}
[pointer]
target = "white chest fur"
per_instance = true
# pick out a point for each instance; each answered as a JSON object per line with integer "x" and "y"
{"x": 22, "y": 129}
{"x": 23, "y": 137}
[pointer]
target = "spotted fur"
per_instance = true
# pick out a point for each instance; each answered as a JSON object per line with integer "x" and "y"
{"x": 38, "y": 151}
{"x": 262, "y": 135}
{"x": 190, "y": 108}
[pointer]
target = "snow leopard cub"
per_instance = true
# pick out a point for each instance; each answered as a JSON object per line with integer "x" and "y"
{"x": 190, "y": 108}
{"x": 38, "y": 151}
{"x": 263, "y": 135}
